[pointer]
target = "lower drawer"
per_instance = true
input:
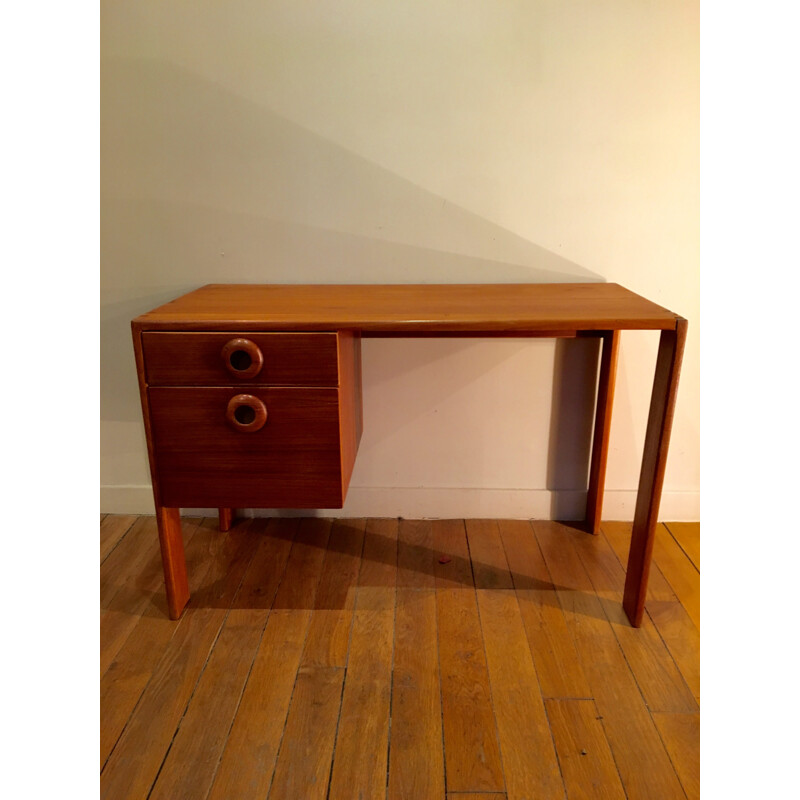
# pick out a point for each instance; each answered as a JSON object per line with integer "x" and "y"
{"x": 207, "y": 453}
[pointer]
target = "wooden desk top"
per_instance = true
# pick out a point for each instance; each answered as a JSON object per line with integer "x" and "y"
{"x": 411, "y": 308}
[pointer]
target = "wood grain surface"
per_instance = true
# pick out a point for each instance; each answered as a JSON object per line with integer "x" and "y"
{"x": 409, "y": 307}
{"x": 643, "y": 763}
{"x": 472, "y": 750}
{"x": 654, "y": 465}
{"x": 294, "y": 461}
{"x": 395, "y": 659}
{"x": 195, "y": 359}
{"x": 584, "y": 753}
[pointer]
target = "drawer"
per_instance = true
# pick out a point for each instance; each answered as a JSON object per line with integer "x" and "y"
{"x": 212, "y": 450}
{"x": 214, "y": 359}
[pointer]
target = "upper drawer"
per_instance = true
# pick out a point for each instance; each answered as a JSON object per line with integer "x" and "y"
{"x": 208, "y": 359}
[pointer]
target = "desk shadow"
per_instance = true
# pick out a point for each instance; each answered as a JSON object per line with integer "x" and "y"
{"x": 459, "y": 571}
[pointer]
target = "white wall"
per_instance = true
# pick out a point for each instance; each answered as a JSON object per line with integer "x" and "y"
{"x": 437, "y": 141}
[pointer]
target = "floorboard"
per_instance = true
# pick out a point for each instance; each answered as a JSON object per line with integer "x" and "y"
{"x": 687, "y": 535}
{"x": 516, "y": 695}
{"x": 644, "y": 765}
{"x": 583, "y": 751}
{"x": 680, "y": 572}
{"x": 304, "y": 761}
{"x": 132, "y": 601}
{"x": 659, "y": 679}
{"x": 362, "y": 739}
{"x": 112, "y": 529}
{"x": 471, "y": 747}
{"x": 199, "y": 741}
{"x": 681, "y": 735}
{"x": 126, "y": 561}
{"x": 677, "y": 630}
{"x": 416, "y": 747}
{"x": 398, "y": 660}
{"x": 135, "y": 761}
{"x": 248, "y": 761}
{"x": 546, "y": 627}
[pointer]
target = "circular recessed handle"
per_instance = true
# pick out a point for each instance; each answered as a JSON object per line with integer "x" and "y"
{"x": 242, "y": 358}
{"x": 246, "y": 413}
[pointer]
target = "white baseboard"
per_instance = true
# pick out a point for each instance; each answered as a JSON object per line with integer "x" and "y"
{"x": 441, "y": 502}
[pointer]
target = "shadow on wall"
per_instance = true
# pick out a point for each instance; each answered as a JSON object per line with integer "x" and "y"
{"x": 200, "y": 185}
{"x": 575, "y": 374}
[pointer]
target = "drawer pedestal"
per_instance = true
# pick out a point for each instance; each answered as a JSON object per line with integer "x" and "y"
{"x": 246, "y": 419}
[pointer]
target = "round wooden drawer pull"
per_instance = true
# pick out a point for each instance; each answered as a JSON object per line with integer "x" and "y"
{"x": 246, "y": 413}
{"x": 242, "y": 358}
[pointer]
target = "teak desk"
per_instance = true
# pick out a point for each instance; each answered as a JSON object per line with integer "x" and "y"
{"x": 251, "y": 394}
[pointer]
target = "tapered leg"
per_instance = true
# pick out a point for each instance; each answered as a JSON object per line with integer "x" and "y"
{"x": 654, "y": 461}
{"x": 225, "y": 519}
{"x": 602, "y": 426}
{"x": 173, "y": 559}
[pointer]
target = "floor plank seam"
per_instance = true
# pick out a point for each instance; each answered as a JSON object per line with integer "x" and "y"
{"x": 391, "y": 673}
{"x": 116, "y": 545}
{"x": 283, "y": 733}
{"x": 439, "y": 670}
{"x": 610, "y": 748}
{"x": 613, "y": 627}
{"x": 530, "y": 651}
{"x": 486, "y": 660}
{"x": 312, "y": 601}
{"x": 669, "y": 756}
{"x": 127, "y": 722}
{"x": 630, "y": 669}
{"x": 672, "y": 659}
{"x": 669, "y": 583}
{"x": 252, "y": 664}
{"x": 590, "y": 576}
{"x": 679, "y": 600}
{"x": 555, "y": 749}
{"x": 151, "y": 595}
{"x": 517, "y": 590}
{"x": 242, "y": 544}
{"x": 667, "y": 649}
{"x": 576, "y": 643}
{"x": 183, "y": 714}
{"x": 347, "y": 657}
{"x": 336, "y": 735}
{"x": 555, "y": 591}
{"x": 142, "y": 693}
{"x": 657, "y": 627}
{"x": 683, "y": 549}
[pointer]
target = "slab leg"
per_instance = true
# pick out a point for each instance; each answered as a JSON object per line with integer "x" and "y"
{"x": 225, "y": 519}
{"x": 602, "y": 427}
{"x": 173, "y": 559}
{"x": 654, "y": 461}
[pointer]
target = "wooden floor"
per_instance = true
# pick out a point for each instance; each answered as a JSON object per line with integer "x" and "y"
{"x": 468, "y": 660}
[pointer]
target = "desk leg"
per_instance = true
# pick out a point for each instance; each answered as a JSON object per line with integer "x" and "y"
{"x": 225, "y": 519}
{"x": 602, "y": 426}
{"x": 654, "y": 461}
{"x": 173, "y": 559}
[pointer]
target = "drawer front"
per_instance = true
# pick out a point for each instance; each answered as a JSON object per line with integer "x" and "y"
{"x": 215, "y": 359}
{"x": 214, "y": 449}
